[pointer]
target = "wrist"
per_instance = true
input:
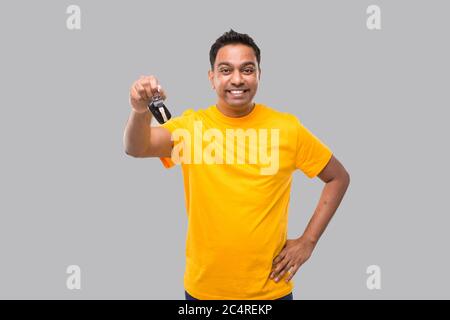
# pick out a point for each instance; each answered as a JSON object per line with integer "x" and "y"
{"x": 309, "y": 239}
{"x": 145, "y": 111}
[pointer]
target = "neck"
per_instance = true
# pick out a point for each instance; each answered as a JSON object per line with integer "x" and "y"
{"x": 233, "y": 112}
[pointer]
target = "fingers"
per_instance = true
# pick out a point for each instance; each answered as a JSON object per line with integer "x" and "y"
{"x": 145, "y": 88}
{"x": 291, "y": 272}
{"x": 151, "y": 86}
{"x": 279, "y": 258}
{"x": 162, "y": 93}
{"x": 134, "y": 93}
{"x": 143, "y": 95}
{"x": 142, "y": 91}
{"x": 285, "y": 267}
{"x": 293, "y": 255}
{"x": 278, "y": 268}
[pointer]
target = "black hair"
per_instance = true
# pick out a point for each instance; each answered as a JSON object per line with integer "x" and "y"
{"x": 233, "y": 37}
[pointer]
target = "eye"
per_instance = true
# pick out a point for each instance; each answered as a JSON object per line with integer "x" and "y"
{"x": 248, "y": 70}
{"x": 225, "y": 70}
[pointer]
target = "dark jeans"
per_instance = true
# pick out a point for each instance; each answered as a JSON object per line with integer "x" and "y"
{"x": 287, "y": 297}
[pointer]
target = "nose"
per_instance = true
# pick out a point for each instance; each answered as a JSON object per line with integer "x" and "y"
{"x": 236, "y": 79}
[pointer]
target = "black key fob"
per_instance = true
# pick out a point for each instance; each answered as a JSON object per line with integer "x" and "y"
{"x": 159, "y": 110}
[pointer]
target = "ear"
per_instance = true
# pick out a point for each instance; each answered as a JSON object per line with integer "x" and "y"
{"x": 211, "y": 78}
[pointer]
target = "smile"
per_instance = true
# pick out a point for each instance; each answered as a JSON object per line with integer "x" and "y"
{"x": 237, "y": 93}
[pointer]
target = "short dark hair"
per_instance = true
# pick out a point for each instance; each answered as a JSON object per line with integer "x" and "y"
{"x": 233, "y": 37}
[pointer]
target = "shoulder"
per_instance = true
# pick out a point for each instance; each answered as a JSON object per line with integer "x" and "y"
{"x": 188, "y": 113}
{"x": 196, "y": 113}
{"x": 186, "y": 116}
{"x": 286, "y": 119}
{"x": 184, "y": 120}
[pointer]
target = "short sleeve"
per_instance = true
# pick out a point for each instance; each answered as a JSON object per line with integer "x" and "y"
{"x": 312, "y": 154}
{"x": 181, "y": 122}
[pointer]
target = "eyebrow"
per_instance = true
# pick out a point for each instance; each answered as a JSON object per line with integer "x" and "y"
{"x": 243, "y": 64}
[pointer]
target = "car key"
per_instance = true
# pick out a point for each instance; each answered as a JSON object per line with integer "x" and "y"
{"x": 158, "y": 109}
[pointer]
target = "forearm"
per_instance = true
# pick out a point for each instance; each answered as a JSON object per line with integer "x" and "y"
{"x": 329, "y": 201}
{"x": 136, "y": 137}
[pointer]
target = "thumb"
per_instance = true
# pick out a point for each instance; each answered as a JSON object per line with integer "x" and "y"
{"x": 161, "y": 92}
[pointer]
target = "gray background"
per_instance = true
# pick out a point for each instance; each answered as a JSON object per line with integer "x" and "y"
{"x": 70, "y": 194}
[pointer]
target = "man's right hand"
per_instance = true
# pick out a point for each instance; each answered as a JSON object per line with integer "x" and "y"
{"x": 142, "y": 91}
{"x": 141, "y": 139}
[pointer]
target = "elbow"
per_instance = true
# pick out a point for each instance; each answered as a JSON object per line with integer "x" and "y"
{"x": 131, "y": 150}
{"x": 342, "y": 178}
{"x": 145, "y": 153}
{"x": 132, "y": 154}
{"x": 129, "y": 153}
{"x": 346, "y": 178}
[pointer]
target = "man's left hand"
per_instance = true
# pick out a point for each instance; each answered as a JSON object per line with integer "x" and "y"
{"x": 295, "y": 252}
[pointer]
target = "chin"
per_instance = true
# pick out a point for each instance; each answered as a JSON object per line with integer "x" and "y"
{"x": 238, "y": 104}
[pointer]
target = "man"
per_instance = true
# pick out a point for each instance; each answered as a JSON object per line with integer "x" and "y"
{"x": 237, "y": 159}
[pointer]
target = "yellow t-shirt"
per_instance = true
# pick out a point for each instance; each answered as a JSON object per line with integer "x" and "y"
{"x": 237, "y": 178}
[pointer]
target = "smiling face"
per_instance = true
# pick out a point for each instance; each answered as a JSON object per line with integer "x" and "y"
{"x": 235, "y": 79}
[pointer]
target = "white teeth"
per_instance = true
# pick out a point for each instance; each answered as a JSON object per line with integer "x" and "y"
{"x": 236, "y": 92}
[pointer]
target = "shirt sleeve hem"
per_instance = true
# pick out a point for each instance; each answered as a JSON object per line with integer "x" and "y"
{"x": 167, "y": 161}
{"x": 313, "y": 173}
